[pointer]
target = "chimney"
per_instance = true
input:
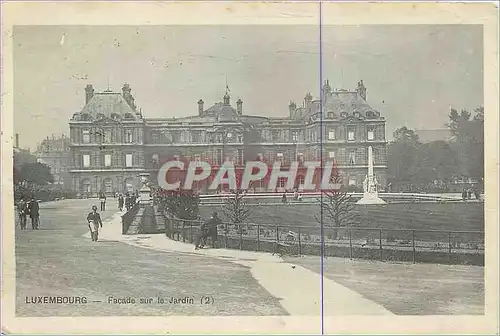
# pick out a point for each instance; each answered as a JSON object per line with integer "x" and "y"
{"x": 128, "y": 96}
{"x": 361, "y": 89}
{"x": 200, "y": 107}
{"x": 89, "y": 93}
{"x": 292, "y": 107}
{"x": 239, "y": 107}
{"x": 17, "y": 140}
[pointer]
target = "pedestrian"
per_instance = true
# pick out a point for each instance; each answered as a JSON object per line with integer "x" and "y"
{"x": 283, "y": 199}
{"x": 22, "y": 210}
{"x": 213, "y": 224}
{"x": 102, "y": 199}
{"x": 34, "y": 211}
{"x": 127, "y": 201}
{"x": 464, "y": 194}
{"x": 477, "y": 194}
{"x": 201, "y": 238}
{"x": 120, "y": 202}
{"x": 469, "y": 193}
{"x": 94, "y": 221}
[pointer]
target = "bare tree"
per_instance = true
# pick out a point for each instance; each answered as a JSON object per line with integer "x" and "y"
{"x": 236, "y": 209}
{"x": 337, "y": 209}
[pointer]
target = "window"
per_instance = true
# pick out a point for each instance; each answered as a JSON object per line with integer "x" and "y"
{"x": 352, "y": 158}
{"x": 282, "y": 182}
{"x": 107, "y": 136}
{"x": 331, "y": 155}
{"x": 128, "y": 160}
{"x": 331, "y": 135}
{"x": 350, "y": 135}
{"x": 86, "y": 136}
{"x": 300, "y": 180}
{"x": 156, "y": 137}
{"x": 218, "y": 156}
{"x": 128, "y": 136}
{"x": 107, "y": 160}
{"x": 352, "y": 180}
{"x": 240, "y": 156}
{"x": 175, "y": 136}
{"x": 86, "y": 160}
{"x": 108, "y": 185}
{"x": 279, "y": 156}
{"x": 195, "y": 137}
{"x": 275, "y": 136}
{"x": 240, "y": 138}
{"x": 330, "y": 115}
{"x": 295, "y": 136}
{"x": 197, "y": 158}
{"x": 371, "y": 134}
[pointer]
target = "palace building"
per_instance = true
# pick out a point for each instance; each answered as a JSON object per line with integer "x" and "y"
{"x": 54, "y": 152}
{"x": 112, "y": 142}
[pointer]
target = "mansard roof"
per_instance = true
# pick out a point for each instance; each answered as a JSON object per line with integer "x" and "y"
{"x": 342, "y": 103}
{"x": 222, "y": 112}
{"x": 106, "y": 105}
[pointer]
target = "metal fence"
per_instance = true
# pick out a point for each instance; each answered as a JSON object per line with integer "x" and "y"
{"x": 435, "y": 246}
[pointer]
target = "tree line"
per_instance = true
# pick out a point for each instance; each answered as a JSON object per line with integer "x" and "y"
{"x": 416, "y": 166}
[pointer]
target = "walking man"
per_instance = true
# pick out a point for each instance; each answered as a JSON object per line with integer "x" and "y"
{"x": 213, "y": 223}
{"x": 94, "y": 221}
{"x": 201, "y": 238}
{"x": 102, "y": 198}
{"x": 120, "y": 202}
{"x": 34, "y": 210}
{"x": 22, "y": 209}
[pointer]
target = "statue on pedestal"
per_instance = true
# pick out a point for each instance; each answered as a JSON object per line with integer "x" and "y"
{"x": 370, "y": 185}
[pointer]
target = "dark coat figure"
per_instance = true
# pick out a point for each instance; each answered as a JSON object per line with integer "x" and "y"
{"x": 121, "y": 201}
{"x": 283, "y": 198}
{"x": 477, "y": 194}
{"x": 464, "y": 194}
{"x": 94, "y": 222}
{"x": 201, "y": 238}
{"x": 34, "y": 211}
{"x": 469, "y": 194}
{"x": 102, "y": 199}
{"x": 22, "y": 210}
{"x": 128, "y": 201}
{"x": 212, "y": 224}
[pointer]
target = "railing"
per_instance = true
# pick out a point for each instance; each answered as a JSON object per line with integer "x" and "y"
{"x": 128, "y": 217}
{"x": 434, "y": 246}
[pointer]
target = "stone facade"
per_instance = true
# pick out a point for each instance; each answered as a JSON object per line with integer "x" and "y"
{"x": 112, "y": 143}
{"x": 54, "y": 152}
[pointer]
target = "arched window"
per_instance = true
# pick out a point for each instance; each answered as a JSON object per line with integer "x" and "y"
{"x": 107, "y": 185}
{"x": 86, "y": 186}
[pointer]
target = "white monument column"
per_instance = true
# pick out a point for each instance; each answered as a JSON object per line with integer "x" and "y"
{"x": 370, "y": 195}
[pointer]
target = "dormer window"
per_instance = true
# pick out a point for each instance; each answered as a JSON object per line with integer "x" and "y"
{"x": 100, "y": 116}
{"x": 330, "y": 115}
{"x": 356, "y": 114}
{"x": 85, "y": 117}
{"x": 129, "y": 116}
{"x": 343, "y": 115}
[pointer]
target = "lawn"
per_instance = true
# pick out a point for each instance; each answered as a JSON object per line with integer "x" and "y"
{"x": 440, "y": 289}
{"x": 416, "y": 216}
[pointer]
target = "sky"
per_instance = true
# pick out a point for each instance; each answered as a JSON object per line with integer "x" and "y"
{"x": 413, "y": 73}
